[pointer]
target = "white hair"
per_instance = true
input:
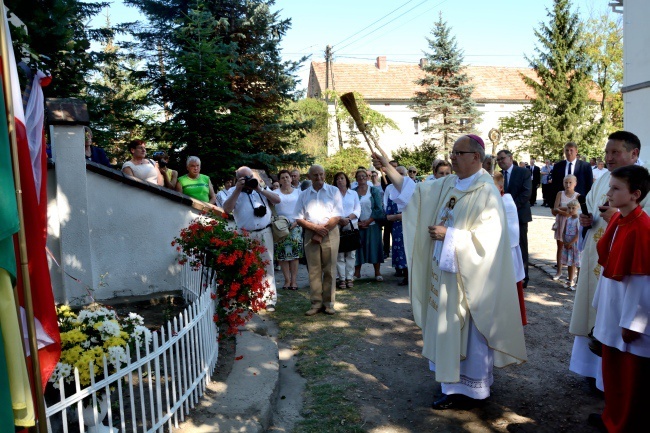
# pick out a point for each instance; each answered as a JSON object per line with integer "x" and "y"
{"x": 191, "y": 159}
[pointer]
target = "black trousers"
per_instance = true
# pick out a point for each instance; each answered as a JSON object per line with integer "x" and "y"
{"x": 523, "y": 244}
{"x": 533, "y": 194}
{"x": 546, "y": 194}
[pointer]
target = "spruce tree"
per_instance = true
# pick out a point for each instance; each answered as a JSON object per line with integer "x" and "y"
{"x": 560, "y": 109}
{"x": 445, "y": 104}
{"x": 215, "y": 67}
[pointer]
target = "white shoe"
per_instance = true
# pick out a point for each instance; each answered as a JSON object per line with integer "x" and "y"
{"x": 557, "y": 277}
{"x": 379, "y": 278}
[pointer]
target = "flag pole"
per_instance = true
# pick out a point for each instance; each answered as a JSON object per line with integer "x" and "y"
{"x": 27, "y": 293}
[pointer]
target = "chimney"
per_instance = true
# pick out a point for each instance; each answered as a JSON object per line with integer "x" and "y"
{"x": 423, "y": 63}
{"x": 381, "y": 63}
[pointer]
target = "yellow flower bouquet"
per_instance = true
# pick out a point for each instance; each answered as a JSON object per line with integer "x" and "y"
{"x": 96, "y": 332}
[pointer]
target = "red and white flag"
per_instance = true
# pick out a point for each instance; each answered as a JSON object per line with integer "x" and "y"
{"x": 33, "y": 177}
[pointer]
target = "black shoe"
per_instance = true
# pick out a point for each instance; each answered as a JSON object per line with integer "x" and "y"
{"x": 454, "y": 401}
{"x": 596, "y": 420}
{"x": 404, "y": 282}
{"x": 399, "y": 273}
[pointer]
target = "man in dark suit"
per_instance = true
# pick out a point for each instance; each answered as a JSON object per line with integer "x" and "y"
{"x": 518, "y": 183}
{"x": 572, "y": 165}
{"x": 536, "y": 178}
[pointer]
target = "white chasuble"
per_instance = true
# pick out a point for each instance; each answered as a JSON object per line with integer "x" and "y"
{"x": 483, "y": 285}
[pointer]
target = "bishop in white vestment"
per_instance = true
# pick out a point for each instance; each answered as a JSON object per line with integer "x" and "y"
{"x": 464, "y": 298}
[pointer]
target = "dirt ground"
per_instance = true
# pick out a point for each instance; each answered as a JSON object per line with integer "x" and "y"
{"x": 386, "y": 377}
{"x": 394, "y": 388}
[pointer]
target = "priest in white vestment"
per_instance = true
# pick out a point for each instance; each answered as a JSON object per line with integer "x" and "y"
{"x": 463, "y": 294}
{"x": 622, "y": 149}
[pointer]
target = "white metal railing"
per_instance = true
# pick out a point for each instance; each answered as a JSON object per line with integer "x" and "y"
{"x": 161, "y": 381}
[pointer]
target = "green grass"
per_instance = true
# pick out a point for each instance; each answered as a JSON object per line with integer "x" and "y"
{"x": 327, "y": 407}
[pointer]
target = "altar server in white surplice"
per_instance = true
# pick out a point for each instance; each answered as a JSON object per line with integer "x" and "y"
{"x": 464, "y": 299}
{"x": 622, "y": 149}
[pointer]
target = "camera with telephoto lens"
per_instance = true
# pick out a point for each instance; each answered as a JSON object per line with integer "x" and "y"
{"x": 250, "y": 182}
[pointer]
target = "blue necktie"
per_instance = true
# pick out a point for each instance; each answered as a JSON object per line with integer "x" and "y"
{"x": 570, "y": 168}
{"x": 505, "y": 180}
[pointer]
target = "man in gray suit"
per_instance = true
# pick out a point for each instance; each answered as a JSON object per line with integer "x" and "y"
{"x": 517, "y": 182}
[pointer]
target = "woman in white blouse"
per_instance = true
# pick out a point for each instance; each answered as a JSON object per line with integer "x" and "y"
{"x": 289, "y": 250}
{"x": 141, "y": 167}
{"x": 351, "y": 209}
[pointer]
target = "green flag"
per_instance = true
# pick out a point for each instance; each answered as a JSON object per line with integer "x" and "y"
{"x": 8, "y": 208}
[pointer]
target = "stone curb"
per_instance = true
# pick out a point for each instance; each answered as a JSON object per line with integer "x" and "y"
{"x": 244, "y": 404}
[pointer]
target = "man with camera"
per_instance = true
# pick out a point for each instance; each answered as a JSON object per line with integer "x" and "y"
{"x": 249, "y": 203}
{"x": 318, "y": 211}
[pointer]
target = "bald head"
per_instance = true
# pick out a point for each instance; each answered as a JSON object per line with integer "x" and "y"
{"x": 316, "y": 174}
{"x": 243, "y": 171}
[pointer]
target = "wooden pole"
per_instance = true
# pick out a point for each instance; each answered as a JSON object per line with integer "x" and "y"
{"x": 22, "y": 243}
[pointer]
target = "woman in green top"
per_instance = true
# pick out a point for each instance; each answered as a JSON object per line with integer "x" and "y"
{"x": 195, "y": 184}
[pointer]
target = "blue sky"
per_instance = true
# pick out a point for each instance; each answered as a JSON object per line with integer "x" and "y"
{"x": 497, "y": 32}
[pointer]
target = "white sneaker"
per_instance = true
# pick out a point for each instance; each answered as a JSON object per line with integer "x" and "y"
{"x": 379, "y": 278}
{"x": 557, "y": 277}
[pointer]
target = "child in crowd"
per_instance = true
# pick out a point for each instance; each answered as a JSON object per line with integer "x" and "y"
{"x": 570, "y": 252}
{"x": 561, "y": 214}
{"x": 622, "y": 301}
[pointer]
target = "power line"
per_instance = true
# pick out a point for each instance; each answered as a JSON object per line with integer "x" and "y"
{"x": 383, "y": 25}
{"x": 375, "y": 22}
{"x": 403, "y": 24}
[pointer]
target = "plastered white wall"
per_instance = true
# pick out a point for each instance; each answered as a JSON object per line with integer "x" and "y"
{"x": 128, "y": 232}
{"x": 636, "y": 57}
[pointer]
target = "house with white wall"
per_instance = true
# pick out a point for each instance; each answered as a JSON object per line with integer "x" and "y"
{"x": 388, "y": 88}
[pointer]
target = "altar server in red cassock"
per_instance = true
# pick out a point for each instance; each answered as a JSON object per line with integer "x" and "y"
{"x": 622, "y": 302}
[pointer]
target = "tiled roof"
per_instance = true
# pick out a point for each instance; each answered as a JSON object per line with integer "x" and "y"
{"x": 397, "y": 81}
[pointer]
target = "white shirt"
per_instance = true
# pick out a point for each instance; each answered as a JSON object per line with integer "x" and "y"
{"x": 597, "y": 172}
{"x": 366, "y": 205}
{"x": 243, "y": 212}
{"x": 351, "y": 206}
{"x": 430, "y": 177}
{"x": 287, "y": 205}
{"x": 573, "y": 167}
{"x": 222, "y": 196}
{"x": 146, "y": 171}
{"x": 319, "y": 206}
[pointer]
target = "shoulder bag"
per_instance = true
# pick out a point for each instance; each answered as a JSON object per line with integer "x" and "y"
{"x": 279, "y": 226}
{"x": 350, "y": 240}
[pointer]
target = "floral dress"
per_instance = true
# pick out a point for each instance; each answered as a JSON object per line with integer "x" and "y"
{"x": 398, "y": 253}
{"x": 571, "y": 256}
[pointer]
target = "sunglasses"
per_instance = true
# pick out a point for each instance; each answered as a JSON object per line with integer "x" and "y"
{"x": 413, "y": 171}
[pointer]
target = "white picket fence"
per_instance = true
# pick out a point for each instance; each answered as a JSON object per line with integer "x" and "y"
{"x": 160, "y": 385}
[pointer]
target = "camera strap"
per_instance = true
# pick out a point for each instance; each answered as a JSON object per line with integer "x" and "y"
{"x": 251, "y": 200}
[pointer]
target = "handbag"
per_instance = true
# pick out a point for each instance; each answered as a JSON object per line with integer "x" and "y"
{"x": 350, "y": 240}
{"x": 279, "y": 226}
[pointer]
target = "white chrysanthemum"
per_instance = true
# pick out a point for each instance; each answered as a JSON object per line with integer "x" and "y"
{"x": 138, "y": 332}
{"x": 136, "y": 319}
{"x": 62, "y": 370}
{"x": 109, "y": 329}
{"x": 117, "y": 356}
{"x": 86, "y": 344}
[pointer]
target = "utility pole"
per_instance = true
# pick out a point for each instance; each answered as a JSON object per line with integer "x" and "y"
{"x": 328, "y": 59}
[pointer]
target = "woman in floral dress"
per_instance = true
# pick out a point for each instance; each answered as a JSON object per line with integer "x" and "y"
{"x": 289, "y": 250}
{"x": 398, "y": 254}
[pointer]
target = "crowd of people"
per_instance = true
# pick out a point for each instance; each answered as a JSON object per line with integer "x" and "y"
{"x": 459, "y": 239}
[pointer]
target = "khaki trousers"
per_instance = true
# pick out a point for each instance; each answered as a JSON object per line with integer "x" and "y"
{"x": 321, "y": 260}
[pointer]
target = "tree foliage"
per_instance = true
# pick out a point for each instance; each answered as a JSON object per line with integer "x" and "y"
{"x": 215, "y": 67}
{"x": 421, "y": 157}
{"x": 347, "y": 160}
{"x": 560, "y": 109}
{"x": 374, "y": 121}
{"x": 58, "y": 40}
{"x": 445, "y": 104}
{"x": 604, "y": 49}
{"x": 118, "y": 102}
{"x": 312, "y": 112}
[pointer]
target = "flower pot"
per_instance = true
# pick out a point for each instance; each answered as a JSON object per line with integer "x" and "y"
{"x": 88, "y": 413}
